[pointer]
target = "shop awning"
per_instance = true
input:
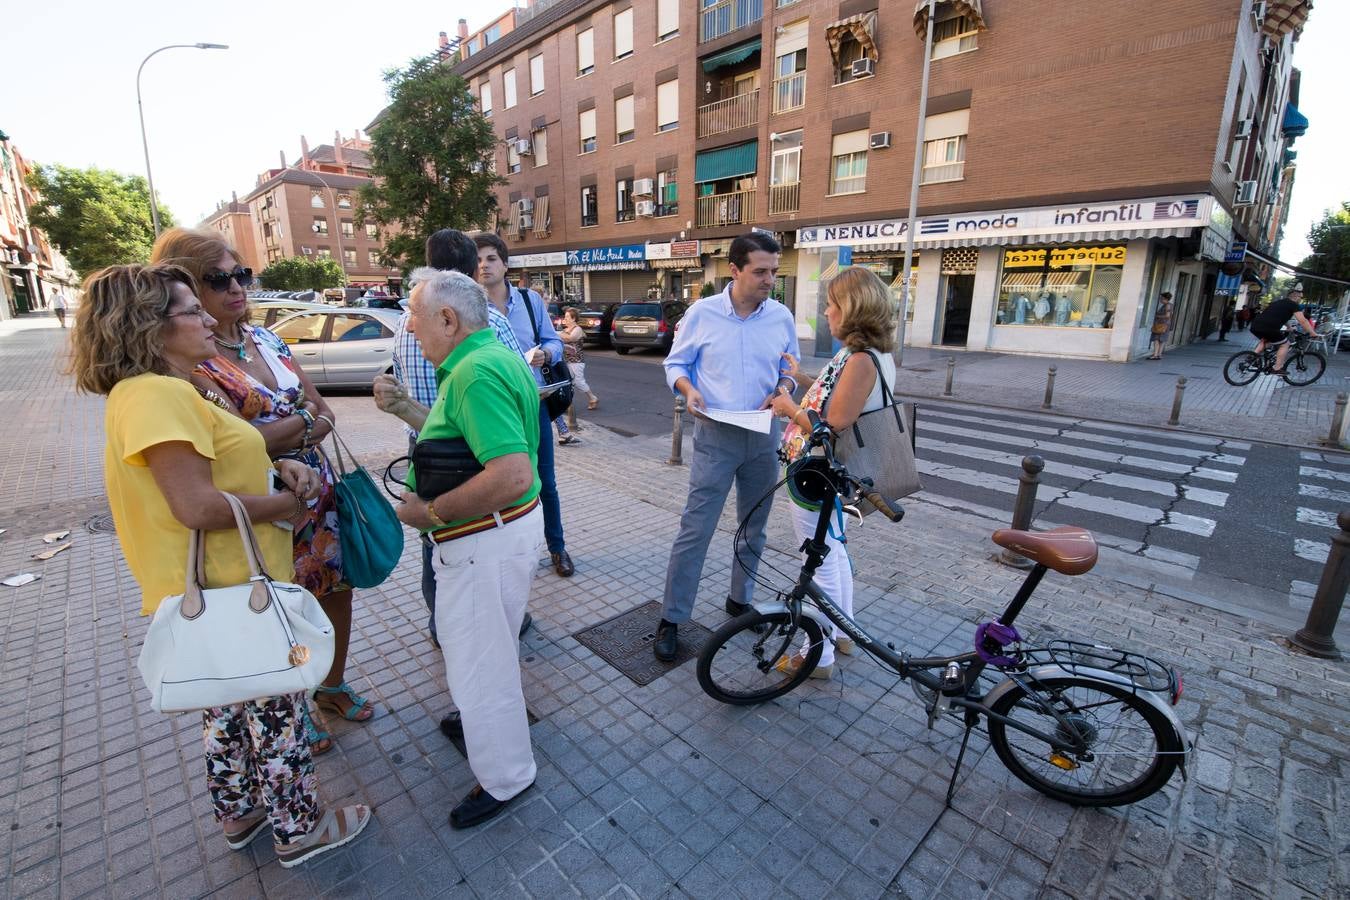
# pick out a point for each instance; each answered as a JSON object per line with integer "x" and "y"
{"x": 1022, "y": 279}
{"x": 862, "y": 27}
{"x": 1284, "y": 16}
{"x": 736, "y": 54}
{"x": 1295, "y": 124}
{"x": 969, "y": 8}
{"x": 727, "y": 162}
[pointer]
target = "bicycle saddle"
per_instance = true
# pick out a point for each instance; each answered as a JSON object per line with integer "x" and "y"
{"x": 1067, "y": 550}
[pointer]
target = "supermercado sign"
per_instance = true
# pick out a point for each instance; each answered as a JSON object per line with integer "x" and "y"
{"x": 1162, "y": 212}
{"x": 537, "y": 260}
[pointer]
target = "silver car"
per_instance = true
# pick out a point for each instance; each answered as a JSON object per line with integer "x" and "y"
{"x": 341, "y": 347}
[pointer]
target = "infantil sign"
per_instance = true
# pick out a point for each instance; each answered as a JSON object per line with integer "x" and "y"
{"x": 1165, "y": 212}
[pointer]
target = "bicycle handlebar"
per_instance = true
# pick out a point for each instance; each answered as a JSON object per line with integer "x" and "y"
{"x": 820, "y": 437}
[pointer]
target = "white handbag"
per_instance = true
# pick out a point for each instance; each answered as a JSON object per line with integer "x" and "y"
{"x": 221, "y": 646}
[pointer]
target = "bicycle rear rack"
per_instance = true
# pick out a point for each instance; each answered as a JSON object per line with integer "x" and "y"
{"x": 1142, "y": 672}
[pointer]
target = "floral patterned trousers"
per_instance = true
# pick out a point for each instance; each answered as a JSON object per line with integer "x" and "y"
{"x": 256, "y": 755}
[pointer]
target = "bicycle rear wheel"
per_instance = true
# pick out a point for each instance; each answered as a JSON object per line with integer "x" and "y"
{"x": 1304, "y": 368}
{"x": 737, "y": 664}
{"x": 1132, "y": 747}
{"x": 1242, "y": 368}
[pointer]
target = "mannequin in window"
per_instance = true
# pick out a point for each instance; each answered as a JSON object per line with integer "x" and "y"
{"x": 1096, "y": 313}
{"x": 1020, "y": 305}
{"x": 1043, "y": 305}
{"x": 1062, "y": 308}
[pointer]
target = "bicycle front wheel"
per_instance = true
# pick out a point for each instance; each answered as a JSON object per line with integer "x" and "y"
{"x": 1242, "y": 368}
{"x": 1305, "y": 368}
{"x": 1132, "y": 748}
{"x": 738, "y": 664}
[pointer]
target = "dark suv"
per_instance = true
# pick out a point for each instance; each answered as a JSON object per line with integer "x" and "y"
{"x": 596, "y": 319}
{"x": 646, "y": 324}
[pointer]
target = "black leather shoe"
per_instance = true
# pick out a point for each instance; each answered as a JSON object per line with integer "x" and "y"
{"x": 736, "y": 609}
{"x": 666, "y": 641}
{"x": 478, "y": 807}
{"x": 562, "y": 564}
{"x": 453, "y": 727}
{"x": 526, "y": 623}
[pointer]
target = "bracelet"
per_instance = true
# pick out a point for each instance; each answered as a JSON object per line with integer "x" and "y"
{"x": 435, "y": 518}
{"x": 332, "y": 426}
{"x": 300, "y": 508}
{"x": 309, "y": 425}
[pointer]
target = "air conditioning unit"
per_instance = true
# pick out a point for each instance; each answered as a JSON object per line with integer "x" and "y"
{"x": 526, "y": 206}
{"x": 861, "y": 68}
{"x": 1259, "y": 13}
{"x": 526, "y": 221}
{"x": 308, "y": 251}
{"x": 524, "y": 148}
{"x": 881, "y": 140}
{"x": 644, "y": 187}
{"x": 645, "y": 208}
{"x": 1244, "y": 129}
{"x": 1246, "y": 193}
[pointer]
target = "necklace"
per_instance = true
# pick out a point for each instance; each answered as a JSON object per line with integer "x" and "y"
{"x": 237, "y": 348}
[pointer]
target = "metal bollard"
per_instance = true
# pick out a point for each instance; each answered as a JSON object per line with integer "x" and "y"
{"x": 1316, "y": 637}
{"x": 1337, "y": 421}
{"x": 572, "y": 417}
{"x": 677, "y": 434}
{"x": 1176, "y": 401}
{"x": 951, "y": 371}
{"x": 1023, "y": 508}
{"x": 1049, "y": 388}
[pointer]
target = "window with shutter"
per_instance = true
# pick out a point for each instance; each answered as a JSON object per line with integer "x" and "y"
{"x": 623, "y": 33}
{"x": 668, "y": 105}
{"x": 623, "y": 120}
{"x": 585, "y": 52}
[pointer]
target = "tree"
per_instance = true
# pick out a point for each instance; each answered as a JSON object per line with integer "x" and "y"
{"x": 432, "y": 155}
{"x": 96, "y": 216}
{"x": 1330, "y": 242}
{"x": 296, "y": 273}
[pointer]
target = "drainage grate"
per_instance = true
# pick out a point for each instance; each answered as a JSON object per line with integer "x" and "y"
{"x": 625, "y": 642}
{"x": 100, "y": 524}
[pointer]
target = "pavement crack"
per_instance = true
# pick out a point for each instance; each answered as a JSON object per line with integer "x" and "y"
{"x": 1062, "y": 493}
{"x": 1179, "y": 486}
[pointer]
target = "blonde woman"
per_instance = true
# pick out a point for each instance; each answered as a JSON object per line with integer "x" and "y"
{"x": 171, "y": 450}
{"x": 861, "y": 315}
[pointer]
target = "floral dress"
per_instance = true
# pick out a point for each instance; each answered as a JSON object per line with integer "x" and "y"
{"x": 318, "y": 553}
{"x": 794, "y": 436}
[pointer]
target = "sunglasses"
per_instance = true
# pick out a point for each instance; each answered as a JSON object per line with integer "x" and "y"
{"x": 220, "y": 281}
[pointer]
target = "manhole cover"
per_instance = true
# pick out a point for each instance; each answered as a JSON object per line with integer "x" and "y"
{"x": 625, "y": 642}
{"x": 101, "y": 524}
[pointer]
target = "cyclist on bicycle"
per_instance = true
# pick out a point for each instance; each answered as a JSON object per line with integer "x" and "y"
{"x": 1269, "y": 325}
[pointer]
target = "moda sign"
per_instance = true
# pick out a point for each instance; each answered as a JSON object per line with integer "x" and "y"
{"x": 1163, "y": 212}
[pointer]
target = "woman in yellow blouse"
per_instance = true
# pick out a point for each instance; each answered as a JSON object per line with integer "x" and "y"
{"x": 171, "y": 450}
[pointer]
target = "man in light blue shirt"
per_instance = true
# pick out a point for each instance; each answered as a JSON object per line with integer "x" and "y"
{"x": 730, "y": 353}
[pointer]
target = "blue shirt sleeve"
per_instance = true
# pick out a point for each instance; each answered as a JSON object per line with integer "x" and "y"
{"x": 549, "y": 341}
{"x": 501, "y": 326}
{"x": 684, "y": 352}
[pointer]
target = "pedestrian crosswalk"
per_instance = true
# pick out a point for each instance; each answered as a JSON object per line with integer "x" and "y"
{"x": 1149, "y": 494}
{"x": 1323, "y": 491}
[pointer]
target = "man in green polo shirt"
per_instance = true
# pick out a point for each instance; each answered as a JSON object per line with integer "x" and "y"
{"x": 488, "y": 532}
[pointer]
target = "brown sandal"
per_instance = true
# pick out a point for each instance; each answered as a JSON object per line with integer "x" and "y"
{"x": 249, "y": 827}
{"x": 332, "y": 831}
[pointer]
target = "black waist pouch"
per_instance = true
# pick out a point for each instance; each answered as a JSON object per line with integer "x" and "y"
{"x": 441, "y": 464}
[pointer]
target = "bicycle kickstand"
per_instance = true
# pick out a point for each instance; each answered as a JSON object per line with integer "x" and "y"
{"x": 956, "y": 767}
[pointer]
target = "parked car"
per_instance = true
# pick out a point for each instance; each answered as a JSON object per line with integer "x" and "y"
{"x": 596, "y": 319}
{"x": 341, "y": 347}
{"x": 646, "y": 324}
{"x": 268, "y": 312}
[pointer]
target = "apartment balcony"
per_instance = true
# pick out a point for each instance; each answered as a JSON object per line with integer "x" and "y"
{"x": 727, "y": 16}
{"x": 789, "y": 93}
{"x": 785, "y": 198}
{"x": 735, "y": 208}
{"x": 729, "y": 114}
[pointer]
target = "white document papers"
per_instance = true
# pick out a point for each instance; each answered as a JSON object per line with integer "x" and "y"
{"x": 760, "y": 420}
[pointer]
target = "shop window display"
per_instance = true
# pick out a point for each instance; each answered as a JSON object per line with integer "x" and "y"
{"x": 1064, "y": 287}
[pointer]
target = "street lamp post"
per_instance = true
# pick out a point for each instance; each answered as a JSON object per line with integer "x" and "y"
{"x": 154, "y": 207}
{"x": 337, "y": 220}
{"x": 905, "y": 299}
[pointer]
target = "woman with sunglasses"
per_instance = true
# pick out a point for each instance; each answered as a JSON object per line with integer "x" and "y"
{"x": 171, "y": 450}
{"x": 254, "y": 373}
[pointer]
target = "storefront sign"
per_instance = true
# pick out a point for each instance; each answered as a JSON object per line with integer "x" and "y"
{"x": 1167, "y": 212}
{"x": 626, "y": 253}
{"x": 537, "y": 260}
{"x": 683, "y": 248}
{"x": 1064, "y": 257}
{"x": 1237, "y": 252}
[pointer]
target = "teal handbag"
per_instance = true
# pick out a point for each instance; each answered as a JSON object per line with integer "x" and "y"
{"x": 369, "y": 532}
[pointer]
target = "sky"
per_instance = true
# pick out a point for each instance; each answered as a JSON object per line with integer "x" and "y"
{"x": 216, "y": 118}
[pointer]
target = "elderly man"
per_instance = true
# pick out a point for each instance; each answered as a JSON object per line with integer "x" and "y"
{"x": 488, "y": 532}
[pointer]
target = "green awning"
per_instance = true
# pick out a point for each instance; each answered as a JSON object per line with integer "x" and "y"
{"x": 731, "y": 57}
{"x": 727, "y": 162}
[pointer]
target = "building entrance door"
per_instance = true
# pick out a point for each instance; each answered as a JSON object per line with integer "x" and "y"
{"x": 957, "y": 292}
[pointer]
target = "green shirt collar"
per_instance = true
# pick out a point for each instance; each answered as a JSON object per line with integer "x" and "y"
{"x": 479, "y": 338}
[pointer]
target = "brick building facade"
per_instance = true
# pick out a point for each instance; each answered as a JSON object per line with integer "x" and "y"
{"x": 1078, "y": 160}
{"x": 235, "y": 225}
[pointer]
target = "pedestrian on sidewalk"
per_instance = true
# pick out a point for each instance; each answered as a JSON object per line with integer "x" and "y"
{"x": 172, "y": 448}
{"x": 1226, "y": 320}
{"x": 1162, "y": 324}
{"x": 256, "y": 377}
{"x": 414, "y": 378}
{"x": 59, "y": 306}
{"x": 488, "y": 531}
{"x": 729, "y": 354}
{"x": 859, "y": 310}
{"x": 573, "y": 336}
{"x": 534, "y": 329}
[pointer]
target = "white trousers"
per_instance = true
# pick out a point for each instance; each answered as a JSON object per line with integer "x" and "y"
{"x": 578, "y": 372}
{"x": 482, "y": 590}
{"x": 835, "y": 575}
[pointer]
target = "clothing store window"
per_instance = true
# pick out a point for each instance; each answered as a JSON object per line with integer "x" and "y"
{"x": 1064, "y": 287}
